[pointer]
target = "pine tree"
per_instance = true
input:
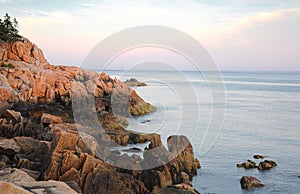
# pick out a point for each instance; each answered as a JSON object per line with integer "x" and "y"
{"x": 9, "y": 29}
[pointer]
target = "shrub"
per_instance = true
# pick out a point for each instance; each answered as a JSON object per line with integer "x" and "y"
{"x": 9, "y": 65}
{"x": 8, "y": 29}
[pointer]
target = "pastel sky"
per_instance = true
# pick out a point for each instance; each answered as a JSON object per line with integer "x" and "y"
{"x": 239, "y": 34}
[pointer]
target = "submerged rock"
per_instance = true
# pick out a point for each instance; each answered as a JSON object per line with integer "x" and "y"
{"x": 248, "y": 182}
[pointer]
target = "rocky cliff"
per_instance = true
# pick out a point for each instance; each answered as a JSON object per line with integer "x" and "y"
{"x": 40, "y": 139}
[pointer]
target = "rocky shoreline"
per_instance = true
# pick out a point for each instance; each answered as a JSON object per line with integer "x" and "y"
{"x": 42, "y": 150}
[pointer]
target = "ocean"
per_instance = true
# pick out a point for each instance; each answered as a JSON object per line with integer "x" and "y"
{"x": 260, "y": 115}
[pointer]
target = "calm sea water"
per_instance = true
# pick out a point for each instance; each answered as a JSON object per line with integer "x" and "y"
{"x": 262, "y": 117}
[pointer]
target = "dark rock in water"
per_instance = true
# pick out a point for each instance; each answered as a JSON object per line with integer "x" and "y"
{"x": 136, "y": 137}
{"x": 258, "y": 157}
{"x": 266, "y": 165}
{"x": 132, "y": 82}
{"x": 248, "y": 182}
{"x": 134, "y": 149}
{"x": 146, "y": 121}
{"x": 298, "y": 176}
{"x": 247, "y": 165}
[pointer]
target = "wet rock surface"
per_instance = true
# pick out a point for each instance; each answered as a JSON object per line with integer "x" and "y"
{"x": 266, "y": 165}
{"x": 247, "y": 165}
{"x": 43, "y": 149}
{"x": 263, "y": 165}
{"x": 248, "y": 182}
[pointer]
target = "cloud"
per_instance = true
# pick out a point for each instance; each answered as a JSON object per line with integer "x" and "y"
{"x": 4, "y": 1}
{"x": 67, "y": 27}
{"x": 94, "y": 21}
{"x": 249, "y": 21}
{"x": 268, "y": 41}
{"x": 280, "y": 26}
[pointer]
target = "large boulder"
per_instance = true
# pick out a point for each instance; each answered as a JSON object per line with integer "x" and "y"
{"x": 9, "y": 147}
{"x": 11, "y": 188}
{"x": 19, "y": 182}
{"x": 181, "y": 147}
{"x": 248, "y": 182}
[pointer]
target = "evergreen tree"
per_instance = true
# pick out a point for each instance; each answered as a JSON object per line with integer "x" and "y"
{"x": 8, "y": 29}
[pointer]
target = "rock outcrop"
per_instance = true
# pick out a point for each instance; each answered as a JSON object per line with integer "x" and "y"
{"x": 19, "y": 182}
{"x": 247, "y": 165}
{"x": 22, "y": 51}
{"x": 266, "y": 165}
{"x": 263, "y": 165}
{"x": 48, "y": 134}
{"x": 248, "y": 182}
{"x": 132, "y": 82}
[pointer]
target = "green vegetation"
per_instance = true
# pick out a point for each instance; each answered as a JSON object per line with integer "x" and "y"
{"x": 8, "y": 29}
{"x": 9, "y": 65}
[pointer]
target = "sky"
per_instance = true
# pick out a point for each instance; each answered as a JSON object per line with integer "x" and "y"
{"x": 240, "y": 35}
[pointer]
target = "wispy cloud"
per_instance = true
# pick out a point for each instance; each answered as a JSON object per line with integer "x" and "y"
{"x": 216, "y": 24}
{"x": 265, "y": 41}
{"x": 241, "y": 31}
{"x": 4, "y": 1}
